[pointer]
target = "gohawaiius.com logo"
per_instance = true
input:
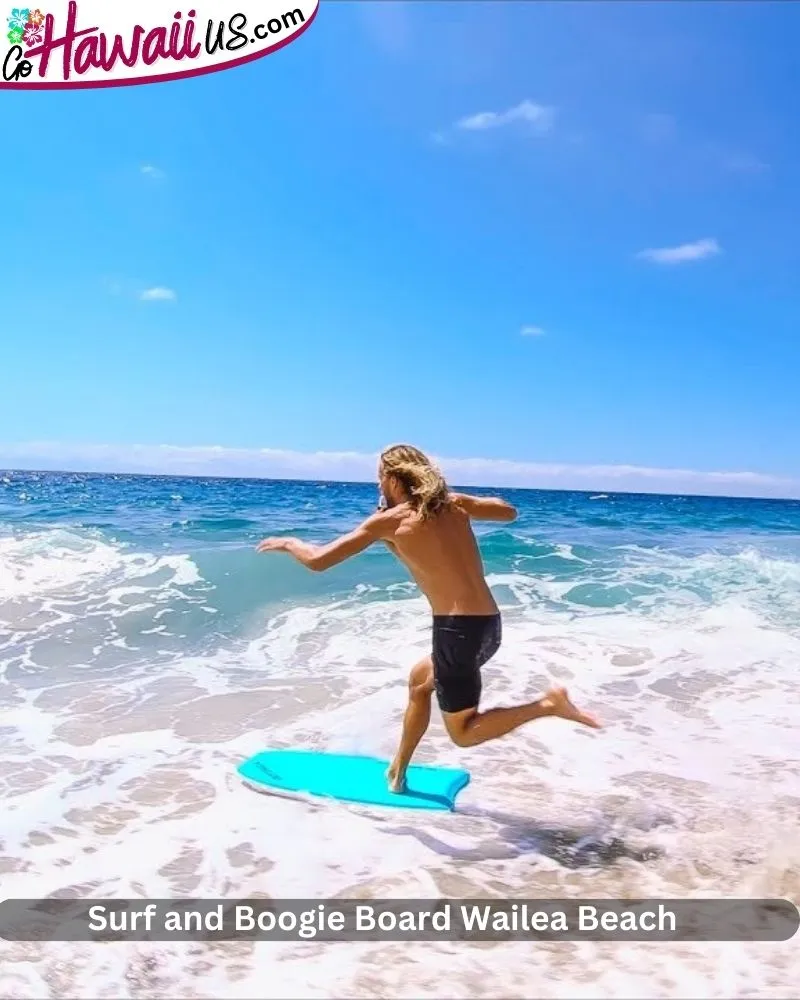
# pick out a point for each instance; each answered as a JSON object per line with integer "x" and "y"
{"x": 97, "y": 43}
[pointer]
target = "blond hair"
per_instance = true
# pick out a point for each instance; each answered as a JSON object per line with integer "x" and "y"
{"x": 423, "y": 483}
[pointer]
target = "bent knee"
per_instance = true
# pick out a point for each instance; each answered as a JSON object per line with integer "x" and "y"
{"x": 459, "y": 728}
{"x": 462, "y": 738}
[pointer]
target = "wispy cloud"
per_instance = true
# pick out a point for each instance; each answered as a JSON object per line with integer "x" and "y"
{"x": 532, "y": 331}
{"x": 744, "y": 163}
{"x": 702, "y": 154}
{"x": 538, "y": 116}
{"x": 158, "y": 295}
{"x": 275, "y": 463}
{"x": 682, "y": 254}
{"x": 155, "y": 173}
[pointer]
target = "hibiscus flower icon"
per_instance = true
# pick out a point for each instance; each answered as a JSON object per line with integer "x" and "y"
{"x": 15, "y": 36}
{"x": 19, "y": 18}
{"x": 36, "y": 17}
{"x": 33, "y": 34}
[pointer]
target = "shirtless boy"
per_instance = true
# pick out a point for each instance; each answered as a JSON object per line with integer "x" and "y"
{"x": 428, "y": 528}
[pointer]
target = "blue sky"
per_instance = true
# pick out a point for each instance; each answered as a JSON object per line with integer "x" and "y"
{"x": 560, "y": 235}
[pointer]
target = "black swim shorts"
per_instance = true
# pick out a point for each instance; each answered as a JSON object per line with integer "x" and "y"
{"x": 461, "y": 646}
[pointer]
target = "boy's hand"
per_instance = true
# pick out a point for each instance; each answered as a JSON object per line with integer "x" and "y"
{"x": 272, "y": 545}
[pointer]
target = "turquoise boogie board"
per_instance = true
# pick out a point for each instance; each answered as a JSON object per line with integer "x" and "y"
{"x": 352, "y": 779}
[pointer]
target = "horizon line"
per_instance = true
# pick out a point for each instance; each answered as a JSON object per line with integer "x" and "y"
{"x": 219, "y": 461}
{"x": 254, "y": 478}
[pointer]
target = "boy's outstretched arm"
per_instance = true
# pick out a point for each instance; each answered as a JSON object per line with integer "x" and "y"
{"x": 322, "y": 557}
{"x": 486, "y": 508}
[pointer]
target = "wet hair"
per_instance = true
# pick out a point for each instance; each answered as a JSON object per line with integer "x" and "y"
{"x": 422, "y": 482}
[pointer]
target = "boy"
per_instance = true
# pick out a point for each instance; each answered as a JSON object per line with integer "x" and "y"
{"x": 428, "y": 528}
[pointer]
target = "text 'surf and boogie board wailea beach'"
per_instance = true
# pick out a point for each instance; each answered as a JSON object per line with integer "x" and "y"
{"x": 147, "y": 651}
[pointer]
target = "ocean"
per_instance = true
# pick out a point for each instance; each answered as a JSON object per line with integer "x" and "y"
{"x": 146, "y": 649}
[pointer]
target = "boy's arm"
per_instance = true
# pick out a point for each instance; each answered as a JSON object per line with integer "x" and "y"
{"x": 486, "y": 508}
{"x": 322, "y": 557}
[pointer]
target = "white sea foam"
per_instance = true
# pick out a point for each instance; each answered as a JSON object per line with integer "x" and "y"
{"x": 128, "y": 787}
{"x": 65, "y": 562}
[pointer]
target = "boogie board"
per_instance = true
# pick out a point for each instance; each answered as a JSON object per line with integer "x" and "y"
{"x": 352, "y": 779}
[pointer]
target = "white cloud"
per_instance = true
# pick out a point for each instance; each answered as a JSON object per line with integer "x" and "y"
{"x": 540, "y": 117}
{"x": 154, "y": 173}
{"x": 274, "y": 463}
{"x": 532, "y": 331}
{"x": 158, "y": 295}
{"x": 683, "y": 253}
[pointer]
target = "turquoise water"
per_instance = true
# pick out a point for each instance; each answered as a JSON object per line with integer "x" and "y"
{"x": 616, "y": 550}
{"x": 145, "y": 649}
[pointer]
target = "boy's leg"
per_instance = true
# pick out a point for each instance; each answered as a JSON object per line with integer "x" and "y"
{"x": 415, "y": 721}
{"x": 470, "y": 727}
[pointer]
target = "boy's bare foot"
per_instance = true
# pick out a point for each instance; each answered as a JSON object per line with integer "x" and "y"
{"x": 557, "y": 704}
{"x": 397, "y": 781}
